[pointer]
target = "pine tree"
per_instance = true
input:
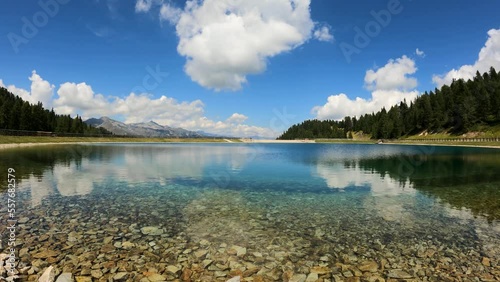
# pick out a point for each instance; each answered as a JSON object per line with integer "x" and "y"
{"x": 39, "y": 118}
{"x": 3, "y": 115}
{"x": 26, "y": 119}
{"x": 75, "y": 125}
{"x": 493, "y": 74}
{"x": 51, "y": 121}
{"x": 496, "y": 104}
{"x": 439, "y": 110}
{"x": 395, "y": 118}
{"x": 348, "y": 124}
{"x": 15, "y": 114}
{"x": 426, "y": 111}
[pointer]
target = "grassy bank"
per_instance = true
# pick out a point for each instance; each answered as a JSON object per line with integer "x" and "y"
{"x": 411, "y": 142}
{"x": 444, "y": 143}
{"x": 43, "y": 139}
{"x": 479, "y": 131}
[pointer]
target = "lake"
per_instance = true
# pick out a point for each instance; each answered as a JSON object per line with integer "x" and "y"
{"x": 266, "y": 212}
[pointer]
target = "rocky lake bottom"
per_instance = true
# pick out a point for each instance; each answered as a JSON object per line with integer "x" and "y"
{"x": 178, "y": 233}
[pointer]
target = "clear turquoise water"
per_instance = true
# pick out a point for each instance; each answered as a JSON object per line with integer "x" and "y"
{"x": 310, "y": 200}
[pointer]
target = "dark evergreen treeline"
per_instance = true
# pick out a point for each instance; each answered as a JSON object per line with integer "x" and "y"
{"x": 17, "y": 114}
{"x": 315, "y": 129}
{"x": 457, "y": 108}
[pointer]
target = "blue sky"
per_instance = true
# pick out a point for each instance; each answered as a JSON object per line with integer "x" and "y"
{"x": 239, "y": 67}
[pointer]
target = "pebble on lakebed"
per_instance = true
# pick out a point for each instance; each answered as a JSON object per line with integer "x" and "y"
{"x": 271, "y": 239}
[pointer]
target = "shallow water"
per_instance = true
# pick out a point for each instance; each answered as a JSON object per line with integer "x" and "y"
{"x": 430, "y": 212}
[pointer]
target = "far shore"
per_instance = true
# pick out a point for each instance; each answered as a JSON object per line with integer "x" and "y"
{"x": 146, "y": 140}
{"x": 7, "y": 142}
{"x": 401, "y": 142}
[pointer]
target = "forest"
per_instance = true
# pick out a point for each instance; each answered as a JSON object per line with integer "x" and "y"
{"x": 457, "y": 108}
{"x": 17, "y": 114}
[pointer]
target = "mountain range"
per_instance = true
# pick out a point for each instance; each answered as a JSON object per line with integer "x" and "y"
{"x": 146, "y": 129}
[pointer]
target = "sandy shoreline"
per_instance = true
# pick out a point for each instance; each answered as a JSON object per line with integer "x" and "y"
{"x": 20, "y": 145}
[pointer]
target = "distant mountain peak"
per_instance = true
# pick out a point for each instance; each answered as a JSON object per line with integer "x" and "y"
{"x": 146, "y": 129}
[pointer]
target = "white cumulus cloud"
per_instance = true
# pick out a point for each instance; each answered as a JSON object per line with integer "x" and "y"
{"x": 224, "y": 41}
{"x": 143, "y": 5}
{"x": 420, "y": 53}
{"x": 390, "y": 85}
{"x": 339, "y": 106}
{"x": 79, "y": 98}
{"x": 170, "y": 13}
{"x": 41, "y": 91}
{"x": 392, "y": 76}
{"x": 489, "y": 56}
{"x": 323, "y": 34}
{"x": 237, "y": 118}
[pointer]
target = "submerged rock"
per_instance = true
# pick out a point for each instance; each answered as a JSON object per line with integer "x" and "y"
{"x": 368, "y": 266}
{"x": 83, "y": 279}
{"x": 120, "y": 276}
{"x": 23, "y": 220}
{"x": 200, "y": 253}
{"x": 207, "y": 263}
{"x": 298, "y": 278}
{"x": 49, "y": 275}
{"x": 151, "y": 230}
{"x": 186, "y": 274}
{"x": 399, "y": 274}
{"x": 173, "y": 269}
{"x": 234, "y": 279}
{"x": 127, "y": 245}
{"x": 156, "y": 277}
{"x": 486, "y": 261}
{"x": 65, "y": 277}
{"x": 312, "y": 277}
{"x": 96, "y": 273}
{"x": 46, "y": 254}
{"x": 239, "y": 251}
